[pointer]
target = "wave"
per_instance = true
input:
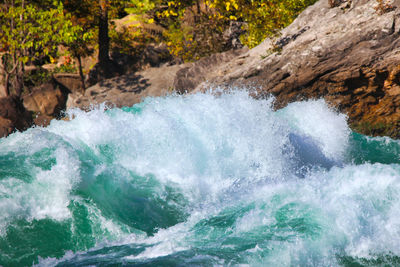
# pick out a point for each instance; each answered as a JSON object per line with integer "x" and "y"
{"x": 199, "y": 180}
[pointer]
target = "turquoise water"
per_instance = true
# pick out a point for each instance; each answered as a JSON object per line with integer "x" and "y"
{"x": 200, "y": 180}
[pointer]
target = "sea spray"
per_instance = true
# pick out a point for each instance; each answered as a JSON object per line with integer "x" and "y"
{"x": 200, "y": 180}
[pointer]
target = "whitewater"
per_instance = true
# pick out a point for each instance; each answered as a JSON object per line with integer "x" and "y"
{"x": 204, "y": 179}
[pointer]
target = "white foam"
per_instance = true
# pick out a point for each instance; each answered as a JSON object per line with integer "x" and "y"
{"x": 46, "y": 196}
{"x": 222, "y": 152}
{"x": 329, "y": 128}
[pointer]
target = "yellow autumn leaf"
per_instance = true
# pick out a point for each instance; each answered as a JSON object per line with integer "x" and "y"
{"x": 52, "y": 59}
{"x": 227, "y": 6}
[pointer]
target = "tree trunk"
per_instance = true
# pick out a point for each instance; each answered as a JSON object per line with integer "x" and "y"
{"x": 105, "y": 65}
{"x": 198, "y": 8}
{"x": 104, "y": 39}
{"x": 81, "y": 72}
{"x": 5, "y": 90}
{"x": 6, "y": 85}
{"x": 105, "y": 68}
{"x": 19, "y": 80}
{"x": 5, "y": 65}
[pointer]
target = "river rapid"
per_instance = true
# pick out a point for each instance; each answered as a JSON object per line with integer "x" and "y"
{"x": 200, "y": 180}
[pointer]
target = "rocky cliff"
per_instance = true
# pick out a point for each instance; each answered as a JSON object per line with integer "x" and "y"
{"x": 347, "y": 52}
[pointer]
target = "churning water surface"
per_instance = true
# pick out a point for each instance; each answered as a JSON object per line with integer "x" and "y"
{"x": 200, "y": 180}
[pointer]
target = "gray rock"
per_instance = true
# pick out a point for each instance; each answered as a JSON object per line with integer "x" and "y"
{"x": 349, "y": 56}
{"x": 189, "y": 77}
{"x": 130, "y": 89}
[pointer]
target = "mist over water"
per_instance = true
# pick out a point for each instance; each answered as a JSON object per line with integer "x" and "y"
{"x": 200, "y": 180}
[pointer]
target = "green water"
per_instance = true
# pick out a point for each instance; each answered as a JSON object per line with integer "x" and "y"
{"x": 200, "y": 180}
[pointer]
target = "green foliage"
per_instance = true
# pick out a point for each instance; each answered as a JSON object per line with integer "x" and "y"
{"x": 180, "y": 42}
{"x": 194, "y": 27}
{"x": 264, "y": 18}
{"x": 30, "y": 29}
{"x": 65, "y": 68}
{"x": 130, "y": 40}
{"x": 192, "y": 31}
{"x": 142, "y": 6}
{"x": 37, "y": 77}
{"x": 81, "y": 43}
{"x": 28, "y": 33}
{"x": 85, "y": 14}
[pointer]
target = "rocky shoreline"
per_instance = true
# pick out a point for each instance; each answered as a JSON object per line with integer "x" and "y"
{"x": 347, "y": 53}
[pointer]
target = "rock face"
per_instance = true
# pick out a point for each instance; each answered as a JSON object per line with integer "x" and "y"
{"x": 13, "y": 116}
{"x": 70, "y": 81}
{"x": 129, "y": 89}
{"x": 46, "y": 103}
{"x": 232, "y": 35}
{"x": 189, "y": 77}
{"x": 348, "y": 54}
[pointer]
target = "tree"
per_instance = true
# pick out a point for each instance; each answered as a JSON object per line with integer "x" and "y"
{"x": 93, "y": 16}
{"x": 80, "y": 46}
{"x": 264, "y": 18}
{"x": 192, "y": 32}
{"x": 104, "y": 39}
{"x": 28, "y": 32}
{"x": 195, "y": 27}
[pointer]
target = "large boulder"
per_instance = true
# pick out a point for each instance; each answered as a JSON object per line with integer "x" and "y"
{"x": 70, "y": 81}
{"x": 13, "y": 116}
{"x": 347, "y": 52}
{"x": 130, "y": 89}
{"x": 46, "y": 102}
{"x": 189, "y": 77}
